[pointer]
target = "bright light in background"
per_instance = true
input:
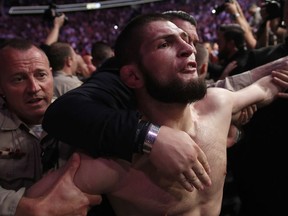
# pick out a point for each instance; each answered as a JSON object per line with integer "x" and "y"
{"x": 40, "y": 9}
{"x": 91, "y": 6}
{"x": 115, "y": 27}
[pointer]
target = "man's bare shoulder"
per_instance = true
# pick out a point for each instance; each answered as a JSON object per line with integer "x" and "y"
{"x": 214, "y": 99}
{"x": 217, "y": 93}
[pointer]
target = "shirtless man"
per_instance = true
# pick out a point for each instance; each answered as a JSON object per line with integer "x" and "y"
{"x": 158, "y": 62}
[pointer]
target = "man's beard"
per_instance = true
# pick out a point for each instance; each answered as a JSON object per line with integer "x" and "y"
{"x": 176, "y": 91}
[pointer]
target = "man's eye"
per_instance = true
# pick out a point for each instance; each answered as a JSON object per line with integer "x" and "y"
{"x": 17, "y": 79}
{"x": 41, "y": 75}
{"x": 163, "y": 45}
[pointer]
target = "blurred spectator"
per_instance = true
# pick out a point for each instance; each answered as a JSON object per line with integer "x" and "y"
{"x": 53, "y": 34}
{"x": 103, "y": 25}
{"x": 271, "y": 30}
{"x": 88, "y": 60}
{"x": 256, "y": 18}
{"x": 238, "y": 16}
{"x": 64, "y": 62}
{"x": 82, "y": 69}
{"x": 85, "y": 67}
{"x": 232, "y": 48}
{"x": 263, "y": 147}
{"x": 100, "y": 52}
{"x": 213, "y": 53}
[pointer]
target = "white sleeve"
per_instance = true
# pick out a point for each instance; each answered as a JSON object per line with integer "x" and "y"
{"x": 9, "y": 200}
{"x": 236, "y": 82}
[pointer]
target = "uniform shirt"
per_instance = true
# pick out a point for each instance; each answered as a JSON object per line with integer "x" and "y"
{"x": 20, "y": 160}
{"x": 25, "y": 153}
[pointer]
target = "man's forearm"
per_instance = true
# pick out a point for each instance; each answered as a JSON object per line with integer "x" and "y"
{"x": 101, "y": 121}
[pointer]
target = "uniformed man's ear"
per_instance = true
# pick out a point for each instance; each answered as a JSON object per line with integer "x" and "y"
{"x": 130, "y": 75}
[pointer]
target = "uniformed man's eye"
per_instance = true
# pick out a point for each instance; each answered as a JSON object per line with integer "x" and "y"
{"x": 17, "y": 79}
{"x": 41, "y": 75}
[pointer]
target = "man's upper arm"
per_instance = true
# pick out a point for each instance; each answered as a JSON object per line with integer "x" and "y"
{"x": 107, "y": 174}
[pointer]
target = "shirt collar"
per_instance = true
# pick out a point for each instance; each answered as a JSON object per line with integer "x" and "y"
{"x": 8, "y": 120}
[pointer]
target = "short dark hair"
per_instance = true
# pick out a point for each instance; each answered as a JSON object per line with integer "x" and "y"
{"x": 17, "y": 43}
{"x": 20, "y": 44}
{"x": 58, "y": 52}
{"x": 178, "y": 14}
{"x": 100, "y": 52}
{"x": 128, "y": 42}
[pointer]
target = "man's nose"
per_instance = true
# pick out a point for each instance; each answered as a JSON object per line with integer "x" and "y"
{"x": 33, "y": 85}
{"x": 187, "y": 49}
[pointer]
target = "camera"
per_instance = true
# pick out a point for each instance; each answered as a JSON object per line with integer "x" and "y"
{"x": 219, "y": 9}
{"x": 51, "y": 13}
{"x": 272, "y": 8}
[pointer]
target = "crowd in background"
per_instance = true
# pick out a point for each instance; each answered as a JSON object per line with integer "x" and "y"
{"x": 86, "y": 27}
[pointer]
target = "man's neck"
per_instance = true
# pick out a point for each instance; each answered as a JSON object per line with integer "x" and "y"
{"x": 67, "y": 71}
{"x": 173, "y": 115}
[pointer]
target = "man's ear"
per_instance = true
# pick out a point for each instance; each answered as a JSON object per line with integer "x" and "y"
{"x": 130, "y": 75}
{"x": 68, "y": 61}
{"x": 203, "y": 70}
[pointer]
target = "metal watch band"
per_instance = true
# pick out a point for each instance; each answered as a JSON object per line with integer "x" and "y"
{"x": 150, "y": 138}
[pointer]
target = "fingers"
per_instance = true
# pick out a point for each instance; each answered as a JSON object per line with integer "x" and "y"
{"x": 202, "y": 162}
{"x": 243, "y": 118}
{"x": 198, "y": 179}
{"x": 246, "y": 115}
{"x": 252, "y": 109}
{"x": 94, "y": 199}
{"x": 283, "y": 95}
{"x": 73, "y": 165}
{"x": 190, "y": 179}
{"x": 185, "y": 183}
{"x": 197, "y": 176}
{"x": 280, "y": 77}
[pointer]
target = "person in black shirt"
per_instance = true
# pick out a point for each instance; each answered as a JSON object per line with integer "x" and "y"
{"x": 262, "y": 148}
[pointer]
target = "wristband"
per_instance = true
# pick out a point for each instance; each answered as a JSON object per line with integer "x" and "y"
{"x": 150, "y": 138}
{"x": 142, "y": 130}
